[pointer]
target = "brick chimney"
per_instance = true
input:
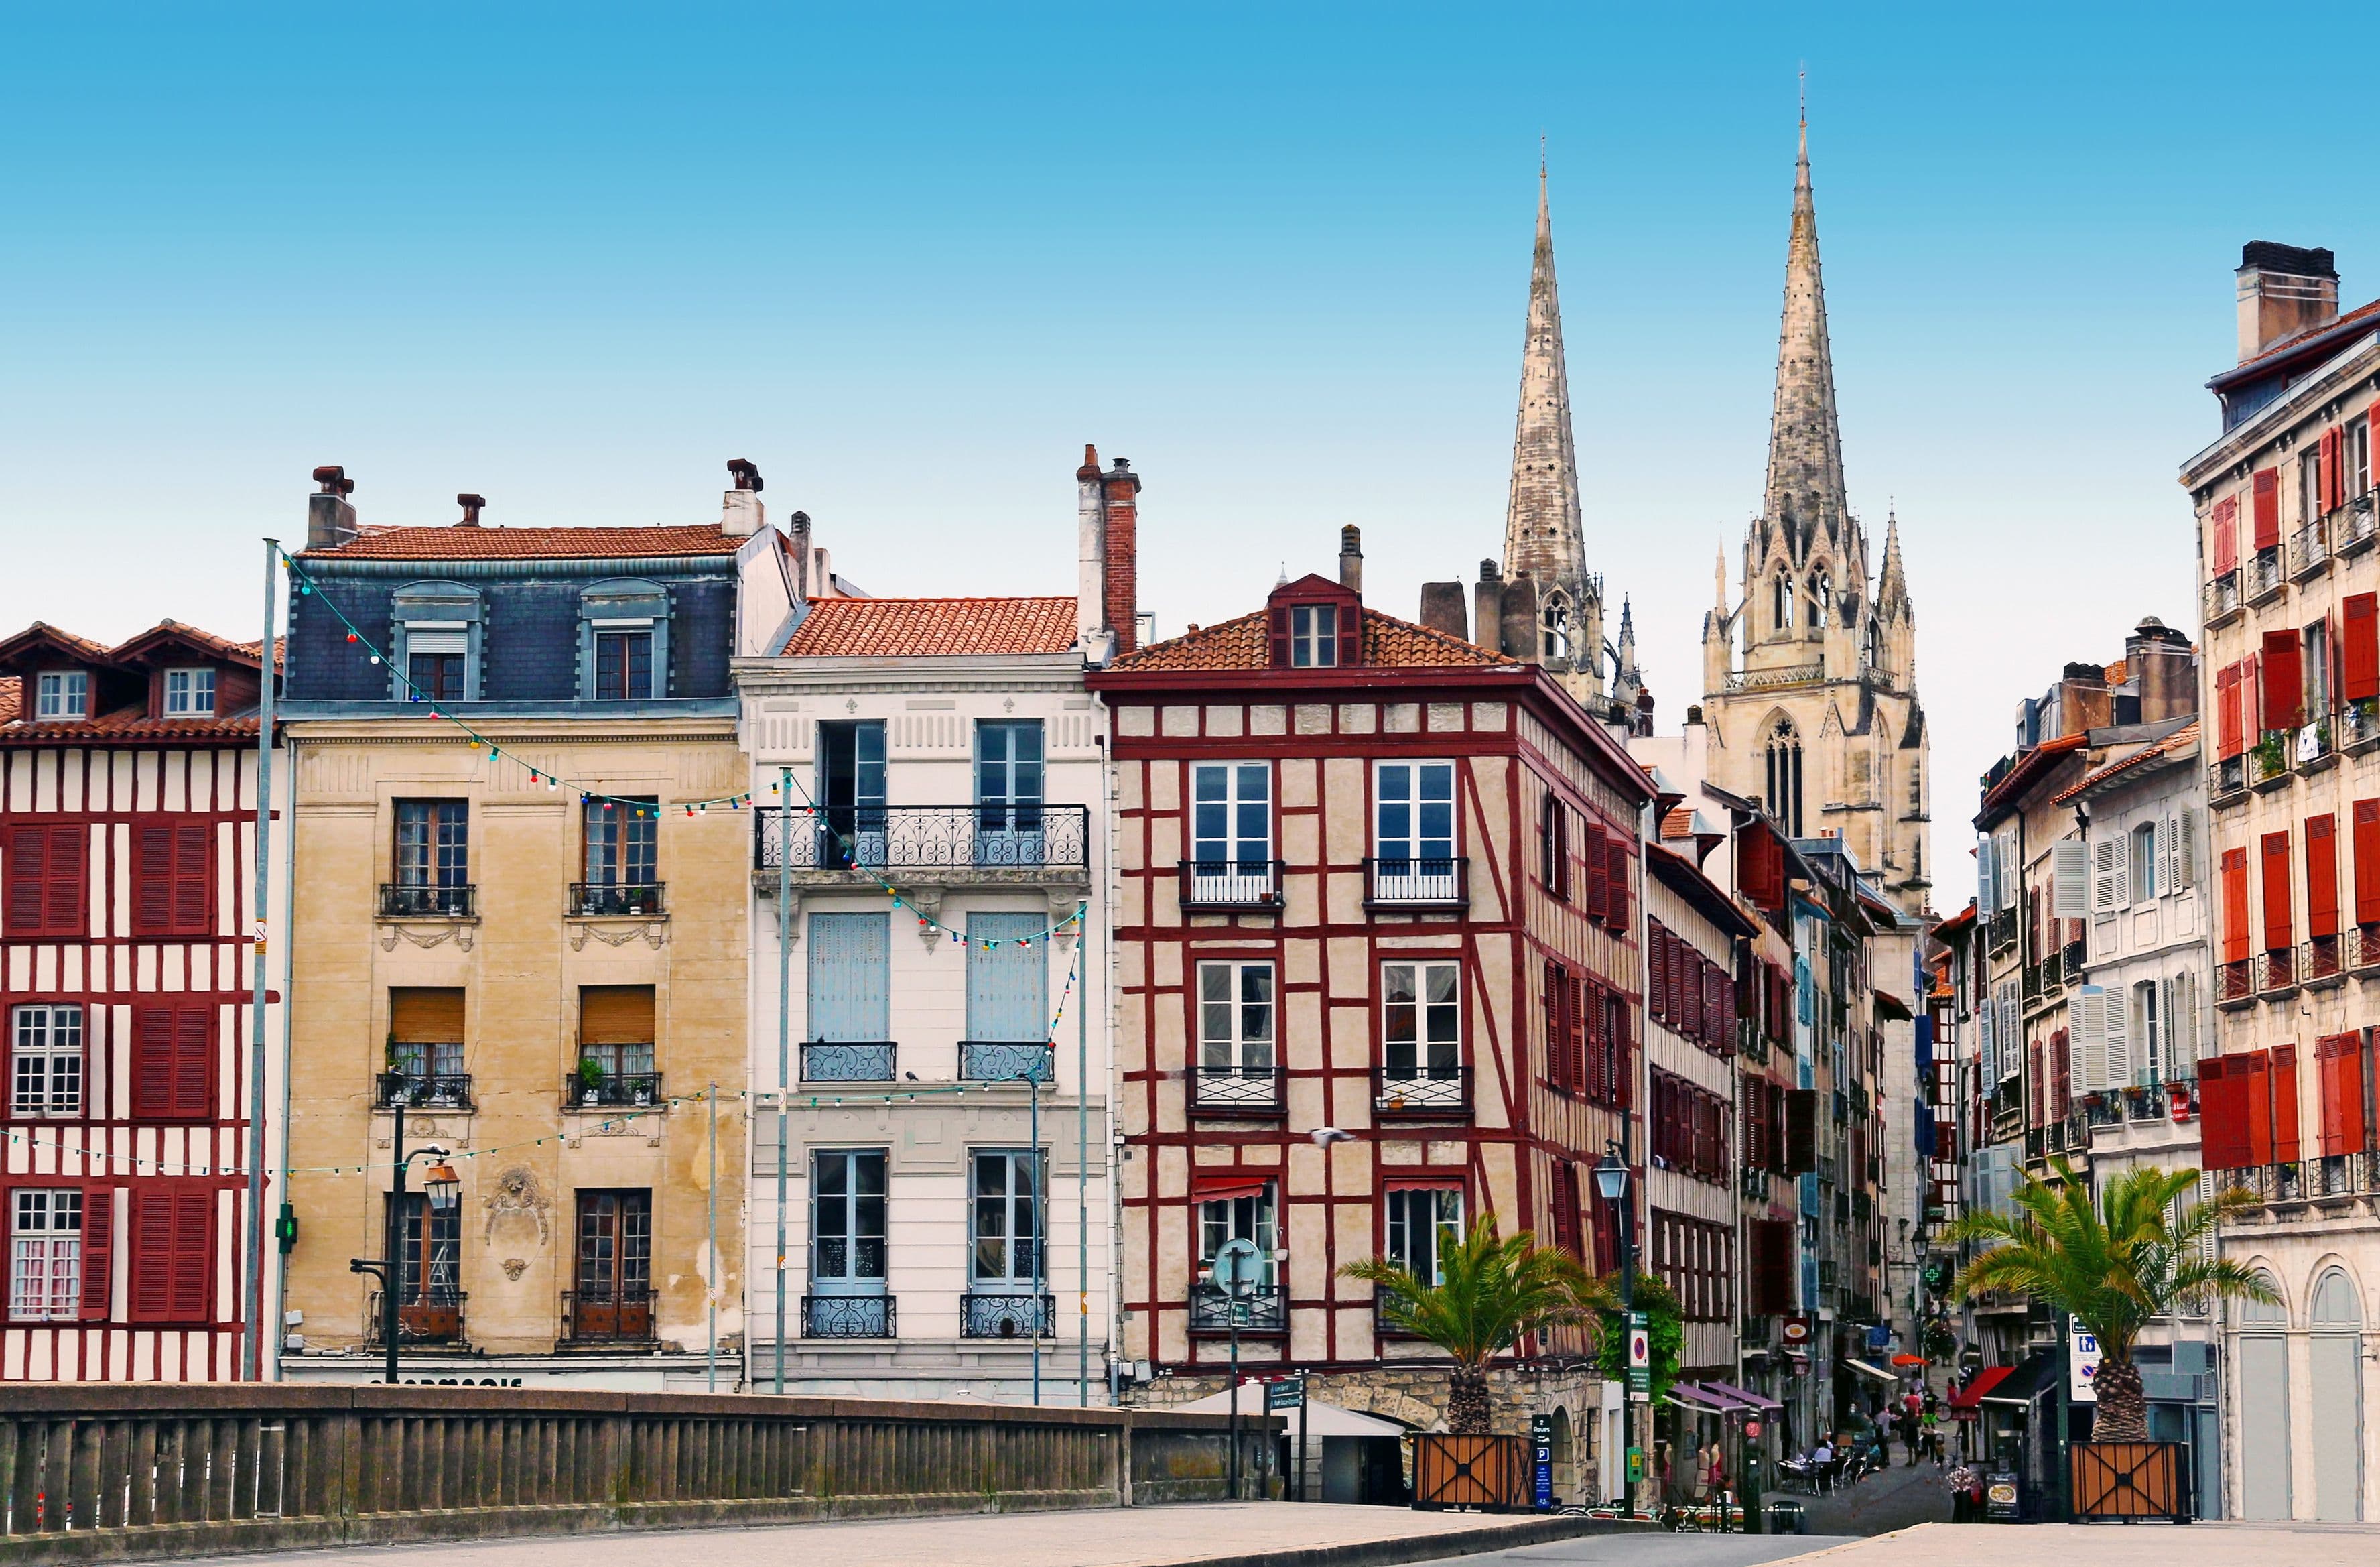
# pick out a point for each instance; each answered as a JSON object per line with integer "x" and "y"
{"x": 740, "y": 512}
{"x": 799, "y": 550}
{"x": 1351, "y": 558}
{"x": 1443, "y": 609}
{"x": 1107, "y": 587}
{"x": 330, "y": 516}
{"x": 2283, "y": 291}
{"x": 2161, "y": 662}
{"x": 472, "y": 506}
{"x": 1488, "y": 607}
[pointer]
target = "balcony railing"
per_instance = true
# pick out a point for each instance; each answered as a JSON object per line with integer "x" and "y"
{"x": 2309, "y": 551}
{"x": 2359, "y": 724}
{"x": 948, "y": 838}
{"x": 1999, "y": 932}
{"x": 1000, "y": 1061}
{"x": 1265, "y": 1311}
{"x": 2320, "y": 958}
{"x": 849, "y": 1317}
{"x": 593, "y": 900}
{"x": 2362, "y": 947}
{"x": 1236, "y": 1090}
{"x": 2227, "y": 777}
{"x": 613, "y": 1090}
{"x": 2071, "y": 960}
{"x": 2235, "y": 981}
{"x": 1421, "y": 1090}
{"x": 846, "y": 1061}
{"x": 2277, "y": 970}
{"x": 2352, "y": 527}
{"x": 415, "y": 1091}
{"x": 2264, "y": 575}
{"x": 1216, "y": 885}
{"x": 2268, "y": 761}
{"x": 403, "y": 901}
{"x": 985, "y": 1314}
{"x": 622, "y": 1318}
{"x": 2223, "y": 596}
{"x": 1431, "y": 883}
{"x": 433, "y": 1316}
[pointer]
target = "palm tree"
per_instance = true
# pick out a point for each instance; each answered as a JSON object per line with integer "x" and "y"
{"x": 1490, "y": 1291}
{"x": 2113, "y": 1266}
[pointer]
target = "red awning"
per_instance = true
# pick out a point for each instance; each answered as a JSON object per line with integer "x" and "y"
{"x": 1226, "y": 1184}
{"x": 1990, "y": 1376}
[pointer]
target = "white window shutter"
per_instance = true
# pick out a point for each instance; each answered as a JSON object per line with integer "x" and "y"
{"x": 2121, "y": 863}
{"x": 2107, "y": 858}
{"x": 2071, "y": 863}
{"x": 2119, "y": 1012}
{"x": 2161, "y": 871}
{"x": 2185, "y": 848}
{"x": 2011, "y": 1031}
{"x": 2181, "y": 1055}
{"x": 1987, "y": 1037}
{"x": 2091, "y": 1039}
{"x": 2006, "y": 860}
{"x": 1987, "y": 896}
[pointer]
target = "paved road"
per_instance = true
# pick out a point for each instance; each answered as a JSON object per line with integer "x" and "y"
{"x": 1892, "y": 1498}
{"x": 1659, "y": 1551}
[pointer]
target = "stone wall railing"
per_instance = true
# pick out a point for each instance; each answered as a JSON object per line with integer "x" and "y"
{"x": 114, "y": 1471}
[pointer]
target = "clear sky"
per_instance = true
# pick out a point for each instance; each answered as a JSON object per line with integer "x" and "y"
{"x": 909, "y": 259}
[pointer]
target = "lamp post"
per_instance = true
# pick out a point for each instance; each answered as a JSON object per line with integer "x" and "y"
{"x": 442, "y": 1190}
{"x": 1031, "y": 1078}
{"x": 1611, "y": 1184}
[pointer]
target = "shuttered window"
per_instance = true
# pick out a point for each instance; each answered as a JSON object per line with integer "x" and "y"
{"x": 173, "y": 1059}
{"x": 2231, "y": 731}
{"x": 173, "y": 1253}
{"x": 1658, "y": 957}
{"x": 2282, "y": 689}
{"x": 2235, "y": 904}
{"x": 2367, "y": 861}
{"x": 2285, "y": 1144}
{"x": 2226, "y": 528}
{"x": 2339, "y": 1068}
{"x": 2322, "y": 875}
{"x": 1561, "y": 1051}
{"x": 173, "y": 879}
{"x": 2223, "y": 1112}
{"x": 418, "y": 1014}
{"x": 2276, "y": 892}
{"x": 2266, "y": 503}
{"x": 614, "y": 1014}
{"x": 48, "y": 881}
{"x": 2359, "y": 647}
{"x": 1616, "y": 905}
{"x": 1772, "y": 1267}
{"x": 1800, "y": 1131}
{"x": 1599, "y": 880}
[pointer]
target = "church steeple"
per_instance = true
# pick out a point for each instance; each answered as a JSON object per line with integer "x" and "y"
{"x": 1542, "y": 530}
{"x": 1892, "y": 583}
{"x": 1805, "y": 494}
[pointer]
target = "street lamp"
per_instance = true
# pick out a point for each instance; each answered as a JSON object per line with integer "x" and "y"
{"x": 1611, "y": 1185}
{"x": 441, "y": 1192}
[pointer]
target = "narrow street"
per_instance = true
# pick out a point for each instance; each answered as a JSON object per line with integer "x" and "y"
{"x": 1894, "y": 1498}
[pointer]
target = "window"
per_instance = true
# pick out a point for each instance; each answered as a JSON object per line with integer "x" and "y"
{"x": 1008, "y": 990}
{"x": 2145, "y": 858}
{"x": 433, "y": 844}
{"x": 1008, "y": 781}
{"x": 1422, "y": 1223}
{"x": 623, "y": 842}
{"x": 1821, "y": 597}
{"x": 1231, "y": 819}
{"x": 2315, "y": 662}
{"x": 1780, "y": 603}
{"x": 1553, "y": 845}
{"x": 1783, "y": 758}
{"x": 1555, "y": 620}
{"x": 851, "y": 794}
{"x": 850, "y": 977}
{"x": 435, "y": 677}
{"x": 45, "y": 1255}
{"x": 623, "y": 664}
{"x": 1421, "y": 1022}
{"x": 1005, "y": 1222}
{"x": 173, "y": 1059}
{"x": 1412, "y": 823}
{"x": 847, "y": 1213}
{"x": 615, "y": 1265}
{"x": 2112, "y": 860}
{"x": 62, "y": 694}
{"x": 173, "y": 879}
{"x": 1696, "y": 1258}
{"x": 1313, "y": 636}
{"x": 615, "y": 1032}
{"x": 1235, "y": 1021}
{"x": 173, "y": 1252}
{"x": 437, "y": 642}
{"x": 2149, "y": 1027}
{"x": 45, "y": 1063}
{"x": 189, "y": 692}
{"x": 425, "y": 1032}
{"x": 2358, "y": 453}
{"x": 48, "y": 880}
{"x": 1241, "y": 1215}
{"x": 429, "y": 1256}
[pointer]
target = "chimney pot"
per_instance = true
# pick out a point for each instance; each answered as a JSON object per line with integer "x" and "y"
{"x": 334, "y": 480}
{"x": 1443, "y": 609}
{"x": 745, "y": 475}
{"x": 470, "y": 504}
{"x": 2284, "y": 291}
{"x": 741, "y": 514}
{"x": 1351, "y": 558}
{"x": 330, "y": 516}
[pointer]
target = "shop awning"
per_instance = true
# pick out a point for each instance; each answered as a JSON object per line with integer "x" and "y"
{"x": 1879, "y": 1372}
{"x": 1759, "y": 1400}
{"x": 1693, "y": 1399}
{"x": 1728, "y": 1405}
{"x": 1985, "y": 1380}
{"x": 2036, "y": 1376}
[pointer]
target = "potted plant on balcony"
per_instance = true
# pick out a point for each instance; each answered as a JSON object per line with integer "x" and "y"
{"x": 590, "y": 1079}
{"x": 2272, "y": 757}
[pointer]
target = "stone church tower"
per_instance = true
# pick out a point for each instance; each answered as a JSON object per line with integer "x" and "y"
{"x": 1810, "y": 686}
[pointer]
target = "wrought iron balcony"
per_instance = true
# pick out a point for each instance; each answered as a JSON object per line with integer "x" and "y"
{"x": 2320, "y": 958}
{"x": 621, "y": 1318}
{"x": 2278, "y": 971}
{"x": 2309, "y": 551}
{"x": 1266, "y": 1311}
{"x": 2235, "y": 982}
{"x": 2227, "y": 779}
{"x": 2264, "y": 575}
{"x": 423, "y": 1090}
{"x": 2222, "y": 597}
{"x": 400, "y": 900}
{"x": 1003, "y": 1061}
{"x": 613, "y": 1090}
{"x": 1422, "y": 883}
{"x": 433, "y": 1315}
{"x": 2363, "y": 944}
{"x": 1211, "y": 886}
{"x": 591, "y": 899}
{"x": 940, "y": 838}
{"x": 844, "y": 1060}
{"x": 2354, "y": 527}
{"x": 1421, "y": 1089}
{"x": 849, "y": 1317}
{"x": 1237, "y": 1090}
{"x": 987, "y": 1314}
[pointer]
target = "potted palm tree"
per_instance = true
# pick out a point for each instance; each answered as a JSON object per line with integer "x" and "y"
{"x": 2112, "y": 1266}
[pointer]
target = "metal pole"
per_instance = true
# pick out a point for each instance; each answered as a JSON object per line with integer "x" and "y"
{"x": 393, "y": 1276}
{"x": 252, "y": 1357}
{"x": 784, "y": 1029}
{"x": 1305, "y": 1400}
{"x": 710, "y": 1348}
{"x": 1232, "y": 1309}
{"x": 1083, "y": 1153}
{"x": 1627, "y": 1313}
{"x": 280, "y": 1316}
{"x": 1040, "y": 1230}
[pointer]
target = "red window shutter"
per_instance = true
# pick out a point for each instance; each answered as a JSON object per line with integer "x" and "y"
{"x": 1615, "y": 849}
{"x": 2061, "y": 1079}
{"x": 153, "y": 1254}
{"x": 64, "y": 908}
{"x": 2283, "y": 687}
{"x": 2227, "y": 536}
{"x": 194, "y": 1248}
{"x": 2367, "y": 861}
{"x": 28, "y": 878}
{"x": 194, "y": 1078}
{"x": 2231, "y": 738}
{"x": 2354, "y": 1113}
{"x": 2255, "y": 1070}
{"x": 2275, "y": 891}
{"x": 2325, "y": 468}
{"x": 1557, "y": 997}
{"x": 98, "y": 1251}
{"x": 172, "y": 1061}
{"x": 1623, "y": 1051}
{"x": 194, "y": 863}
{"x": 2359, "y": 647}
{"x": 2267, "y": 506}
{"x": 152, "y": 880}
{"x": 2222, "y": 1116}
{"x": 2284, "y": 1103}
{"x": 2329, "y": 1053}
{"x": 2322, "y": 875}
{"x": 2235, "y": 906}
{"x": 1658, "y": 996}
{"x": 1279, "y": 636}
{"x": 1945, "y": 1140}
{"x": 152, "y": 1067}
{"x": 1591, "y": 850}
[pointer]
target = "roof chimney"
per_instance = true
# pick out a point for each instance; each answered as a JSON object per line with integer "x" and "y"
{"x": 470, "y": 504}
{"x": 1518, "y": 630}
{"x": 330, "y": 516}
{"x": 799, "y": 549}
{"x": 1351, "y": 558}
{"x": 2284, "y": 291}
{"x": 1120, "y": 553}
{"x": 1442, "y": 609}
{"x": 740, "y": 512}
{"x": 1488, "y": 606}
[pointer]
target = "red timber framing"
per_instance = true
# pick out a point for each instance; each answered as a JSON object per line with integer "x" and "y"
{"x": 1498, "y": 1100}
{"x": 125, "y": 1007}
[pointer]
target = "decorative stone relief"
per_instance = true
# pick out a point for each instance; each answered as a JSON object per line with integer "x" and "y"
{"x": 517, "y": 1205}
{"x": 461, "y": 935}
{"x": 654, "y": 931}
{"x": 515, "y": 1266}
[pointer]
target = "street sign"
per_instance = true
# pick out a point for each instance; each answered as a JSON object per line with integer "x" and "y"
{"x": 1287, "y": 1393}
{"x": 2083, "y": 1363}
{"x": 1238, "y": 1268}
{"x": 1796, "y": 1331}
{"x": 1640, "y": 1341}
{"x": 1541, "y": 1453}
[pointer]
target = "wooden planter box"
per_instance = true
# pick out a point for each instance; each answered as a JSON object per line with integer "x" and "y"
{"x": 2131, "y": 1480}
{"x": 1486, "y": 1474}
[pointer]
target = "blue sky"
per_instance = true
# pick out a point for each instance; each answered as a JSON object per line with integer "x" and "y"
{"x": 575, "y": 256}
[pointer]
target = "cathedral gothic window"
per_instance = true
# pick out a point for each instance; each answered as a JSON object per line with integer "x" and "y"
{"x": 1820, "y": 590}
{"x": 1557, "y": 628}
{"x": 1781, "y": 603}
{"x": 1784, "y": 764}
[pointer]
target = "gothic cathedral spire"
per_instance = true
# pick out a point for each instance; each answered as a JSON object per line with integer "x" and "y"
{"x": 1805, "y": 494}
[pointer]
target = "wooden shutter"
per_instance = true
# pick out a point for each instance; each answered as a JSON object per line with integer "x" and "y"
{"x": 1563, "y": 1199}
{"x": 2223, "y": 1112}
{"x": 1658, "y": 957}
{"x": 2275, "y": 891}
{"x": 2227, "y": 536}
{"x": 1559, "y": 1064}
{"x": 615, "y": 1015}
{"x": 172, "y": 1061}
{"x": 1800, "y": 1131}
{"x": 2230, "y": 734}
{"x": 2234, "y": 903}
{"x": 2266, "y": 504}
{"x": 28, "y": 883}
{"x": 153, "y": 1254}
{"x": 1622, "y": 1046}
{"x": 2367, "y": 861}
{"x": 1279, "y": 637}
{"x": 2359, "y": 647}
{"x": 98, "y": 1252}
{"x": 2255, "y": 1070}
{"x": 2283, "y": 687}
{"x": 2325, "y": 468}
{"x": 1598, "y": 891}
{"x": 152, "y": 880}
{"x": 2322, "y": 875}
{"x": 2338, "y": 1072}
{"x": 1616, "y": 858}
{"x": 194, "y": 1060}
{"x": 48, "y": 889}
{"x": 418, "y": 1015}
{"x": 2286, "y": 1147}
{"x": 194, "y": 880}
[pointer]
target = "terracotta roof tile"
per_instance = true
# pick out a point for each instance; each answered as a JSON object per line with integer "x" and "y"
{"x": 222, "y": 647}
{"x": 1242, "y": 644}
{"x": 81, "y": 647}
{"x": 863, "y": 628}
{"x": 128, "y": 724}
{"x": 530, "y": 543}
{"x": 2171, "y": 742}
{"x": 1679, "y": 823}
{"x": 12, "y": 699}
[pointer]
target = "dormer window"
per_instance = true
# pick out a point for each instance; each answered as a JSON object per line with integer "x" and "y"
{"x": 60, "y": 694}
{"x": 1313, "y": 637}
{"x": 189, "y": 693}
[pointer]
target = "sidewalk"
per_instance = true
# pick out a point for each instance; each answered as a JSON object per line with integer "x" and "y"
{"x": 2111, "y": 1545}
{"x": 1897, "y": 1497}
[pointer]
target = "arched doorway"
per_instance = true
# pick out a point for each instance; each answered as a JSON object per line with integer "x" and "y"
{"x": 2335, "y": 1371}
{"x": 2264, "y": 1382}
{"x": 1566, "y": 1479}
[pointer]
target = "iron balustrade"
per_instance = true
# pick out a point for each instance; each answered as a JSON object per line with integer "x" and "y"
{"x": 2354, "y": 525}
{"x": 2071, "y": 960}
{"x": 1004, "y": 1060}
{"x": 836, "y": 1061}
{"x": 2363, "y": 944}
{"x": 2264, "y": 574}
{"x": 2223, "y": 596}
{"x": 996, "y": 1314}
{"x": 431, "y": 1316}
{"x": 419, "y": 1090}
{"x": 403, "y": 901}
{"x": 2320, "y": 958}
{"x": 1237, "y": 1090}
{"x": 2308, "y": 550}
{"x": 1422, "y": 883}
{"x": 2359, "y": 722}
{"x": 1265, "y": 1310}
{"x": 950, "y": 838}
{"x": 611, "y": 1318}
{"x": 2234, "y": 981}
{"x": 1421, "y": 1089}
{"x": 2227, "y": 777}
{"x": 2279, "y": 970}
{"x": 613, "y": 1090}
{"x": 1222, "y": 884}
{"x": 849, "y": 1317}
{"x": 595, "y": 900}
